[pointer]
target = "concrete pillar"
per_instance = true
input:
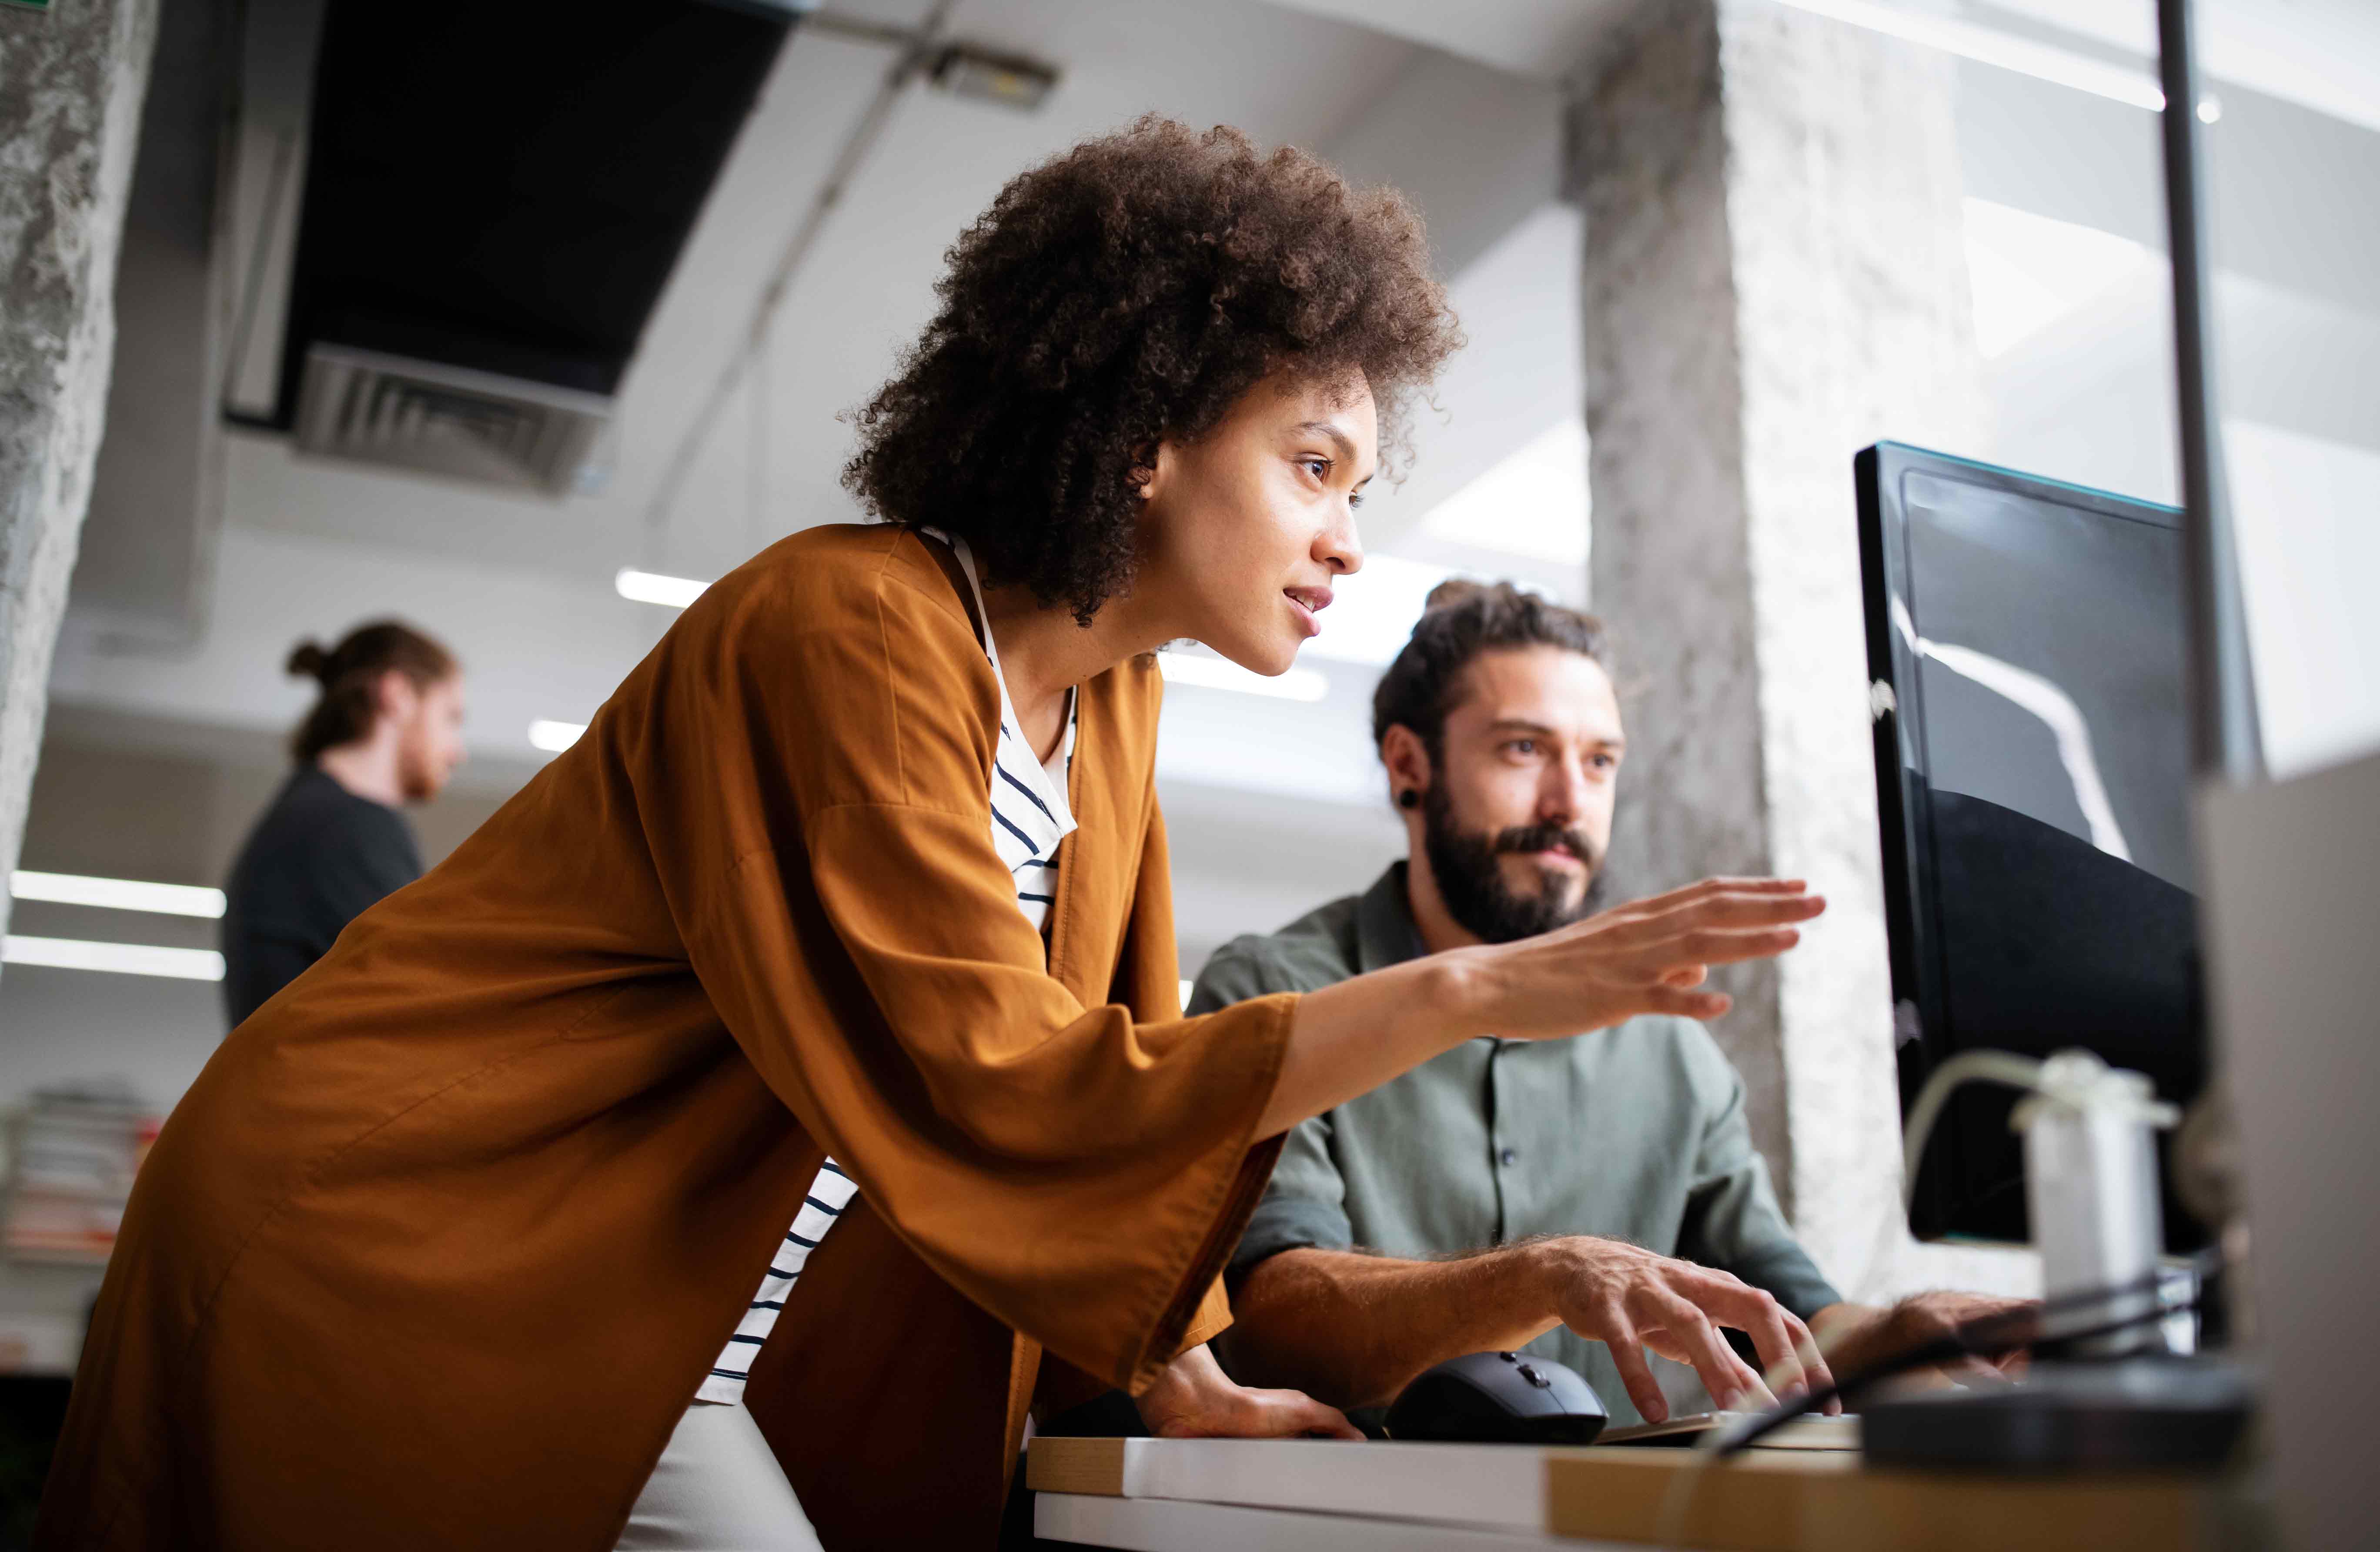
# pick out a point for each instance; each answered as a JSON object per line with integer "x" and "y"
{"x": 1775, "y": 277}
{"x": 71, "y": 82}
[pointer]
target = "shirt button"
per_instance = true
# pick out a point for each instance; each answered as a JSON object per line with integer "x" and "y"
{"x": 1507, "y": 1158}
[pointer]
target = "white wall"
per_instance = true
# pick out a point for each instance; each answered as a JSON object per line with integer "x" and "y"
{"x": 2088, "y": 395}
{"x": 534, "y": 643}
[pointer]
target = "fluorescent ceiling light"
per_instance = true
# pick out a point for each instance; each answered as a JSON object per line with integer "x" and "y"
{"x": 554, "y": 737}
{"x": 652, "y": 587}
{"x": 117, "y": 894}
{"x": 123, "y": 959}
{"x": 2026, "y": 272}
{"x": 1219, "y": 674}
{"x": 1987, "y": 45}
{"x": 1532, "y": 504}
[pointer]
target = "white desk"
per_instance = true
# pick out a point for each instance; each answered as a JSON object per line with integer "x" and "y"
{"x": 1317, "y": 1495}
{"x": 1167, "y": 1526}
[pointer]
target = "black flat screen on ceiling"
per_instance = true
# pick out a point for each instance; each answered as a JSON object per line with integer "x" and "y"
{"x": 2025, "y": 644}
{"x": 507, "y": 187}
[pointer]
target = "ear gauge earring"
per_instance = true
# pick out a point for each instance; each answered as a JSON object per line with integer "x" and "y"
{"x": 1408, "y": 799}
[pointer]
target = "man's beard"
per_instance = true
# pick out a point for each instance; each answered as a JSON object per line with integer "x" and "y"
{"x": 1473, "y": 885}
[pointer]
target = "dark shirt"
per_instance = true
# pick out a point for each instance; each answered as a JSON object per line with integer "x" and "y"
{"x": 1634, "y": 1132}
{"x": 318, "y": 858}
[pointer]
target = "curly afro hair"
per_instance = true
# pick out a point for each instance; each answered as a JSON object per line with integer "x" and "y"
{"x": 1126, "y": 292}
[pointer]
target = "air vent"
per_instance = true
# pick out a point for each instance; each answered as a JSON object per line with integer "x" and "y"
{"x": 450, "y": 421}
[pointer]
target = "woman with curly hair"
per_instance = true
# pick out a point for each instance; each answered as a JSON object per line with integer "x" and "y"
{"x": 508, "y": 1224}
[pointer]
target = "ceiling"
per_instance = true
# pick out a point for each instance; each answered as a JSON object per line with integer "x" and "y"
{"x": 866, "y": 288}
{"x": 309, "y": 544}
{"x": 1455, "y": 104}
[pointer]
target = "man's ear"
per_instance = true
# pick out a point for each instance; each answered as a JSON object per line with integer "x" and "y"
{"x": 1408, "y": 761}
{"x": 393, "y": 693}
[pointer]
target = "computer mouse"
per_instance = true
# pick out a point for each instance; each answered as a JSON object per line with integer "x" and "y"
{"x": 1497, "y": 1398}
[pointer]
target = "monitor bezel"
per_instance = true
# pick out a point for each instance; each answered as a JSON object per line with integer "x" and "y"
{"x": 1921, "y": 1033}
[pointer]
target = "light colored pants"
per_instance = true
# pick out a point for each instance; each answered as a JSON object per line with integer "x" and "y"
{"x": 718, "y": 1489}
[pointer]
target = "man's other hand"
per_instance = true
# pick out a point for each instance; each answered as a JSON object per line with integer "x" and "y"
{"x": 1858, "y": 1336}
{"x": 1630, "y": 1299}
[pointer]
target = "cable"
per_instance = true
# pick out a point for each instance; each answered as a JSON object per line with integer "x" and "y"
{"x": 756, "y": 516}
{"x": 285, "y": 152}
{"x": 1986, "y": 1336}
{"x": 918, "y": 53}
{"x": 2076, "y": 1080}
{"x": 1678, "y": 1497}
{"x": 1987, "y": 1066}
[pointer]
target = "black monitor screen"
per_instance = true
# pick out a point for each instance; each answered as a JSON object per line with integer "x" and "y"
{"x": 2025, "y": 639}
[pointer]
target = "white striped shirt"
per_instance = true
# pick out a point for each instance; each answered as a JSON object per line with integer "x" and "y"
{"x": 1030, "y": 815}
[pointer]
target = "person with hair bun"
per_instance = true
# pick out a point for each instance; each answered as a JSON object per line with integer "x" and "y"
{"x": 734, "y": 1141}
{"x": 386, "y": 730}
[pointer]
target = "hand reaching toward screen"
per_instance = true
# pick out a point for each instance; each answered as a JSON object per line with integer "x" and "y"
{"x": 1195, "y": 1398}
{"x": 1650, "y": 957}
{"x": 1646, "y": 957}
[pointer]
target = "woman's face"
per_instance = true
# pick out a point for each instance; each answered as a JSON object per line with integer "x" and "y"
{"x": 1244, "y": 529}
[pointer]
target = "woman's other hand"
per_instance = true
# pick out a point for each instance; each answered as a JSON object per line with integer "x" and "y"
{"x": 1195, "y": 1398}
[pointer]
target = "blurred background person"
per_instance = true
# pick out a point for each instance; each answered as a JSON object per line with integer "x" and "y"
{"x": 386, "y": 732}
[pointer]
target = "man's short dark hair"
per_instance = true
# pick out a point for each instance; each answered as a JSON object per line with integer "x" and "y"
{"x": 1125, "y": 293}
{"x": 1462, "y": 620}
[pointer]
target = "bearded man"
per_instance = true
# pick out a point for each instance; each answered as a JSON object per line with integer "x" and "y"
{"x": 1584, "y": 1199}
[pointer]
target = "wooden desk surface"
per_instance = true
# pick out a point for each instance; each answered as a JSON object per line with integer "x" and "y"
{"x": 1763, "y": 1501}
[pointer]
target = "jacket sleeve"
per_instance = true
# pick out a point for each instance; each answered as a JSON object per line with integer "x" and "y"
{"x": 1304, "y": 1203}
{"x": 1149, "y": 981}
{"x": 811, "y": 768}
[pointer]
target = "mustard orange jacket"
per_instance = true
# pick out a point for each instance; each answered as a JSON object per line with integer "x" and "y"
{"x": 441, "y": 1242}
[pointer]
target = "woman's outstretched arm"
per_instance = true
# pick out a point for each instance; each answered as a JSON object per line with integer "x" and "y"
{"x": 1649, "y": 957}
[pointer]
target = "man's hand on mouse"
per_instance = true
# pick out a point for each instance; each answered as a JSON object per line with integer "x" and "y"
{"x": 1630, "y": 1299}
{"x": 1192, "y": 1398}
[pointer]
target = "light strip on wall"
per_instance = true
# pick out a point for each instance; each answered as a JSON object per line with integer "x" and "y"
{"x": 652, "y": 587}
{"x": 1986, "y": 45}
{"x": 122, "y": 959}
{"x": 1215, "y": 673}
{"x": 554, "y": 737}
{"x": 116, "y": 894}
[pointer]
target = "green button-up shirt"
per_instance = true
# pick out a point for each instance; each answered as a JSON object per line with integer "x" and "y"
{"x": 1634, "y": 1132}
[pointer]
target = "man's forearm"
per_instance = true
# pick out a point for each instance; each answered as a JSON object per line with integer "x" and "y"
{"x": 1352, "y": 1329}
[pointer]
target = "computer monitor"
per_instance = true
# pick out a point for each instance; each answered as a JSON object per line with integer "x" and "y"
{"x": 2025, "y": 653}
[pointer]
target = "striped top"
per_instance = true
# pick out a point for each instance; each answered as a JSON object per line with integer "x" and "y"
{"x": 1030, "y": 816}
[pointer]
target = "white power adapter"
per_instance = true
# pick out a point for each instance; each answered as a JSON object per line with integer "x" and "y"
{"x": 2090, "y": 1180}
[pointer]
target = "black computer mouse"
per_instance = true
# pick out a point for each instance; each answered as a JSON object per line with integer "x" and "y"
{"x": 1497, "y": 1398}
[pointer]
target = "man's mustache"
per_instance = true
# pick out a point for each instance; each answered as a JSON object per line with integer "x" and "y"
{"x": 1546, "y": 837}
